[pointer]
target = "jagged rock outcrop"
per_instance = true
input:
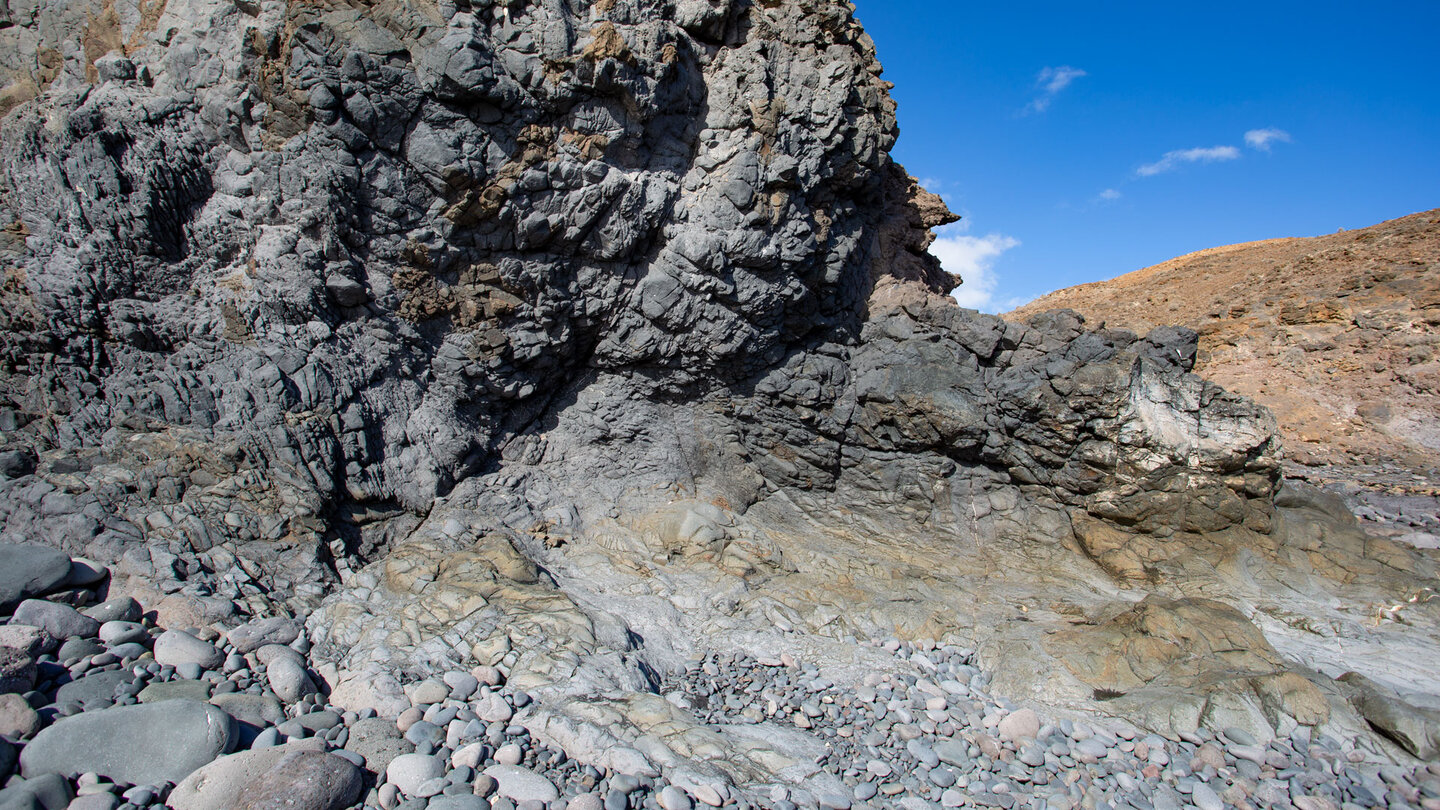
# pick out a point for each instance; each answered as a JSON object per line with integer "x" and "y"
{"x": 581, "y": 338}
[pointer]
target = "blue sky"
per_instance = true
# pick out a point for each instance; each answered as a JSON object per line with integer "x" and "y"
{"x": 1081, "y": 141}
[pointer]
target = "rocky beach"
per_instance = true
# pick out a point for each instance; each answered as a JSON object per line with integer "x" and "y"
{"x": 553, "y": 405}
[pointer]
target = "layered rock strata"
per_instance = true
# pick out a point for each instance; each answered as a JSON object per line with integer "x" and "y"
{"x": 580, "y": 340}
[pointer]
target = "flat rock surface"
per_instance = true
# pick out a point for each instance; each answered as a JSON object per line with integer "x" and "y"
{"x": 146, "y": 744}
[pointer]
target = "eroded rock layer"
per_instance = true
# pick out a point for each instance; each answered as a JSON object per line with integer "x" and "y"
{"x": 581, "y": 340}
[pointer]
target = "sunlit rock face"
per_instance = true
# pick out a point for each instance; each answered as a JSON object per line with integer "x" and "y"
{"x": 578, "y": 339}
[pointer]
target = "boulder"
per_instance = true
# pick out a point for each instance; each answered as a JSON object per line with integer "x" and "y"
{"x": 58, "y": 621}
{"x": 27, "y": 571}
{"x": 143, "y": 745}
{"x": 291, "y": 776}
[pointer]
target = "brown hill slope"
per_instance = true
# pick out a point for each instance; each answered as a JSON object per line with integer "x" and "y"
{"x": 1339, "y": 335}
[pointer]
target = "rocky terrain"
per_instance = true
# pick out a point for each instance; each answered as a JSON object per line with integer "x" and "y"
{"x": 553, "y": 405}
{"x": 1337, "y": 335}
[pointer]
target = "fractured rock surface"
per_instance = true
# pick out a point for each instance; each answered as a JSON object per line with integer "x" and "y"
{"x": 560, "y": 345}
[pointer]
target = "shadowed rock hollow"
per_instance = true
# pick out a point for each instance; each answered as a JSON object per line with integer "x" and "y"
{"x": 582, "y": 339}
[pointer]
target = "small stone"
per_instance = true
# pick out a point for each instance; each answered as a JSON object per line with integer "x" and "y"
{"x": 122, "y": 632}
{"x": 1205, "y": 798}
{"x": 429, "y": 691}
{"x": 58, "y": 621}
{"x": 94, "y": 801}
{"x": 29, "y": 640}
{"x": 522, "y": 784}
{"x": 47, "y": 792}
{"x": 509, "y": 754}
{"x": 84, "y": 573}
{"x": 379, "y": 742}
{"x": 124, "y": 609}
{"x": 673, "y": 798}
{"x": 175, "y": 647}
{"x": 458, "y": 802}
{"x": 96, "y": 689}
{"x": 288, "y": 679}
{"x": 18, "y": 719}
{"x": 255, "y": 710}
{"x": 175, "y": 690}
{"x": 586, "y": 801}
{"x": 409, "y": 771}
{"x": 462, "y": 684}
{"x": 257, "y": 633}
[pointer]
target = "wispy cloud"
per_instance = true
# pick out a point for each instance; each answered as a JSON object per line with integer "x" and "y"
{"x": 1200, "y": 154}
{"x": 1108, "y": 195}
{"x": 973, "y": 258}
{"x": 1262, "y": 138}
{"x": 1050, "y": 82}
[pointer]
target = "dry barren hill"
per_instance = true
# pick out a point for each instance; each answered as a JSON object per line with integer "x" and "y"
{"x": 1337, "y": 334}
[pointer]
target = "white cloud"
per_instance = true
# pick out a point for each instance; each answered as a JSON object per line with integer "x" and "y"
{"x": 1051, "y": 81}
{"x": 973, "y": 258}
{"x": 1200, "y": 154}
{"x": 1057, "y": 79}
{"x": 1110, "y": 195}
{"x": 930, "y": 184}
{"x": 1261, "y": 138}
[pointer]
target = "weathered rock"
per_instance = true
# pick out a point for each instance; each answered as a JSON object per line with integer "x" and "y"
{"x": 47, "y": 792}
{"x": 18, "y": 719}
{"x": 17, "y": 670}
{"x": 257, "y": 633}
{"x": 27, "y": 571}
{"x": 378, "y": 741}
{"x": 94, "y": 689}
{"x": 58, "y": 621}
{"x": 409, "y": 771}
{"x": 123, "y": 609}
{"x": 522, "y": 784}
{"x": 271, "y": 777}
{"x": 164, "y": 742}
{"x": 1414, "y": 728}
{"x": 175, "y": 647}
{"x": 289, "y": 679}
{"x": 255, "y": 710}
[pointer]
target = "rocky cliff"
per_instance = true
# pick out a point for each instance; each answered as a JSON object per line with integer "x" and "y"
{"x": 582, "y": 340}
{"x": 1335, "y": 334}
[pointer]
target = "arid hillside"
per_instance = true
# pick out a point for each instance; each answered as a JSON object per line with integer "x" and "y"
{"x": 1339, "y": 335}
